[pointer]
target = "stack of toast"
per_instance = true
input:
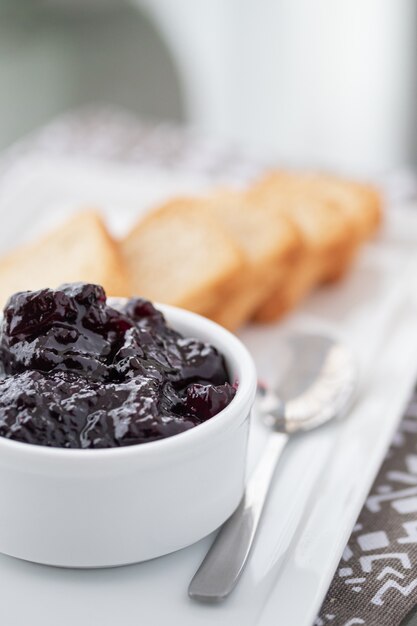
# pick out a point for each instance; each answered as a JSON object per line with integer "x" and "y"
{"x": 233, "y": 256}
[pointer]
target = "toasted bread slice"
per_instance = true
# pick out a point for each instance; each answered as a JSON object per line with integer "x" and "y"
{"x": 361, "y": 201}
{"x": 300, "y": 280}
{"x": 80, "y": 249}
{"x": 271, "y": 244}
{"x": 329, "y": 234}
{"x": 178, "y": 254}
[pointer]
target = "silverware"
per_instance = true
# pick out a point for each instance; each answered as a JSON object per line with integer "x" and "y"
{"x": 318, "y": 386}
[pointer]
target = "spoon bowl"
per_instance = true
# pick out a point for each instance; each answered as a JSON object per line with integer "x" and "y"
{"x": 318, "y": 385}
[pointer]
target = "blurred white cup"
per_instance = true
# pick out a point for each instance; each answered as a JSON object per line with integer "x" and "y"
{"x": 327, "y": 83}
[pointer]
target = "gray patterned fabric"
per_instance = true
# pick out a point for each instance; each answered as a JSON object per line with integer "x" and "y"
{"x": 115, "y": 135}
{"x": 376, "y": 581}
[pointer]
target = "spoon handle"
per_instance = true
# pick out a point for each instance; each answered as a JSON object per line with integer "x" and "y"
{"x": 224, "y": 563}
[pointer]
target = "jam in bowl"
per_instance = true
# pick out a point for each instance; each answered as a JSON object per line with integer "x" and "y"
{"x": 80, "y": 373}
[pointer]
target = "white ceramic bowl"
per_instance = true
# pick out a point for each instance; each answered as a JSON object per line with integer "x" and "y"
{"x": 101, "y": 508}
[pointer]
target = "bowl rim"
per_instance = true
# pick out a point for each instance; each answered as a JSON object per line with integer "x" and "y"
{"x": 243, "y": 399}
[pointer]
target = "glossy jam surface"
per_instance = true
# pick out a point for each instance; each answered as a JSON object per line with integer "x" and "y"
{"x": 81, "y": 374}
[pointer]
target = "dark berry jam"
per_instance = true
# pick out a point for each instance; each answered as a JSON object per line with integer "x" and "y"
{"x": 81, "y": 374}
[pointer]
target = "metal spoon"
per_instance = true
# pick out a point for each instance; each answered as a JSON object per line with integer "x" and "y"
{"x": 318, "y": 386}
